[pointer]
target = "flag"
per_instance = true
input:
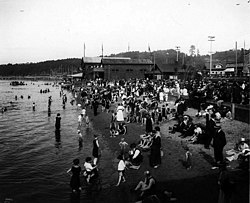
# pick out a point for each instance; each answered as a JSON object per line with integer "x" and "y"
{"x": 128, "y": 47}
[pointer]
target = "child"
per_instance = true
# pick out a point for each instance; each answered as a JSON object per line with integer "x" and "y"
{"x": 90, "y": 170}
{"x": 123, "y": 144}
{"x": 121, "y": 170}
{"x": 75, "y": 177}
{"x": 112, "y": 129}
{"x": 80, "y": 135}
{"x": 80, "y": 120}
{"x": 188, "y": 156}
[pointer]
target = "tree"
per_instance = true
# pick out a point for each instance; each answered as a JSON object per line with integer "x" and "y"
{"x": 192, "y": 50}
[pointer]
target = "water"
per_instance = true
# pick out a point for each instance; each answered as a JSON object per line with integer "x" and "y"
{"x": 33, "y": 160}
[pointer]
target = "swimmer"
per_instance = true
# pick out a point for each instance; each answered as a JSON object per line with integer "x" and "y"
{"x": 34, "y": 106}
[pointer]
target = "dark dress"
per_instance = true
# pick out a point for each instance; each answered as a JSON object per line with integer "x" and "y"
{"x": 149, "y": 125}
{"x": 219, "y": 141}
{"x": 58, "y": 123}
{"x": 95, "y": 149}
{"x": 155, "y": 155}
{"x": 75, "y": 178}
{"x": 210, "y": 131}
{"x": 163, "y": 110}
{"x": 95, "y": 107}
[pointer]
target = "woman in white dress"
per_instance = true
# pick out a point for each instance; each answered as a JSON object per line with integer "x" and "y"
{"x": 119, "y": 115}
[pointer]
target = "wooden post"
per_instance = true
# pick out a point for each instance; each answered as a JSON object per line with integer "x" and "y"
{"x": 233, "y": 110}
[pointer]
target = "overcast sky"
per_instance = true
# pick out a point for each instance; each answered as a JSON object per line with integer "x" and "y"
{"x": 40, "y": 30}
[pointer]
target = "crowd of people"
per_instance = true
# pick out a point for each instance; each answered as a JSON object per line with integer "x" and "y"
{"x": 146, "y": 102}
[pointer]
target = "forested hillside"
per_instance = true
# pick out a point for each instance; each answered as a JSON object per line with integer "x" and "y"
{"x": 58, "y": 67}
{"x": 69, "y": 66}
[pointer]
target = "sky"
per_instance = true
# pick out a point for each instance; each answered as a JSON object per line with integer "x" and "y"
{"x": 40, "y": 30}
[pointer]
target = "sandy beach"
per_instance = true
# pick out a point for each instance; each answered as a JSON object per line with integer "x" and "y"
{"x": 196, "y": 185}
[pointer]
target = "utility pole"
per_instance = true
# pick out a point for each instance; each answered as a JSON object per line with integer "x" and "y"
{"x": 236, "y": 62}
{"x": 211, "y": 39}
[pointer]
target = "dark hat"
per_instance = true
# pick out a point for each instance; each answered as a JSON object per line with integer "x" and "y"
{"x": 120, "y": 157}
{"x": 76, "y": 161}
{"x": 157, "y": 128}
{"x": 88, "y": 159}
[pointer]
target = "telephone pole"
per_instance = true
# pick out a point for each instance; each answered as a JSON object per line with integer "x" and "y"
{"x": 211, "y": 39}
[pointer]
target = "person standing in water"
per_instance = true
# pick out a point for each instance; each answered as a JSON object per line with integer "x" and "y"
{"x": 75, "y": 170}
{"x": 87, "y": 121}
{"x": 95, "y": 151}
{"x": 58, "y": 122}
{"x": 34, "y": 106}
{"x": 49, "y": 102}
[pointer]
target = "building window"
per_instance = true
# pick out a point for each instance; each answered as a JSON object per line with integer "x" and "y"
{"x": 129, "y": 70}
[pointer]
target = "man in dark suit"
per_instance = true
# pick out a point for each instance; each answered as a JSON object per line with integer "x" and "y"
{"x": 210, "y": 128}
{"x": 219, "y": 141}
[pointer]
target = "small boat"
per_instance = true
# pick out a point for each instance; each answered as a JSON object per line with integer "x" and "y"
{"x": 17, "y": 83}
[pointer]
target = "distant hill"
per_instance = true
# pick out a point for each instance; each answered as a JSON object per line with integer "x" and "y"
{"x": 72, "y": 65}
{"x": 58, "y": 67}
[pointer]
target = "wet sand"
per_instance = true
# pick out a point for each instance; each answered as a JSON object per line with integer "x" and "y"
{"x": 196, "y": 185}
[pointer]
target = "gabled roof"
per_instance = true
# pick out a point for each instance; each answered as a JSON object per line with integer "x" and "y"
{"x": 95, "y": 60}
{"x": 126, "y": 61}
{"x": 92, "y": 59}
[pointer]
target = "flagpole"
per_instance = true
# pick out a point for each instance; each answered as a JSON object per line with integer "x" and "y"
{"x": 84, "y": 50}
{"x": 102, "y": 50}
{"x": 236, "y": 62}
{"x": 154, "y": 67}
{"x": 244, "y": 58}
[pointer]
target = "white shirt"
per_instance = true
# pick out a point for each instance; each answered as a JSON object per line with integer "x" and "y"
{"x": 88, "y": 166}
{"x": 121, "y": 165}
{"x": 137, "y": 152}
{"x": 83, "y": 112}
{"x": 80, "y": 118}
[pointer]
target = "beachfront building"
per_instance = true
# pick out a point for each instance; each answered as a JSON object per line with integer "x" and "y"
{"x": 92, "y": 67}
{"x": 171, "y": 71}
{"x": 125, "y": 68}
{"x": 111, "y": 68}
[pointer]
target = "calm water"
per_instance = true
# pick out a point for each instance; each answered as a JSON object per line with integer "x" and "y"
{"x": 33, "y": 161}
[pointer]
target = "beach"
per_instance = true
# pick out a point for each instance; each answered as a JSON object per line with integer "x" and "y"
{"x": 196, "y": 185}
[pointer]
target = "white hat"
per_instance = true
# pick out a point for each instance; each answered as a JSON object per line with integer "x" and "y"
{"x": 242, "y": 139}
{"x": 210, "y": 107}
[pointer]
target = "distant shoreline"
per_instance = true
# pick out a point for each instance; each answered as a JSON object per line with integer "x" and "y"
{"x": 32, "y": 78}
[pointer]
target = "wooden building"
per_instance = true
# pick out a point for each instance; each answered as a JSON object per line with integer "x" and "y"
{"x": 115, "y": 68}
{"x": 126, "y": 68}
